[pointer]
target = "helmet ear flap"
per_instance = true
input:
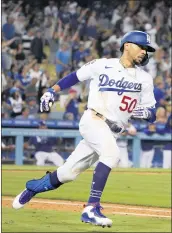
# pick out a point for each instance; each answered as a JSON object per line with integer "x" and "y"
{"x": 145, "y": 60}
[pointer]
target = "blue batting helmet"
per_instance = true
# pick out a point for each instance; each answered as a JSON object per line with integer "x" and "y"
{"x": 139, "y": 38}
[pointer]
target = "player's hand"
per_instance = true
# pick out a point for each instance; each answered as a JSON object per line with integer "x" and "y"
{"x": 47, "y": 100}
{"x": 142, "y": 113}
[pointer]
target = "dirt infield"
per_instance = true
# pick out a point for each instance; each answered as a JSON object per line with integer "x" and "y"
{"x": 73, "y": 206}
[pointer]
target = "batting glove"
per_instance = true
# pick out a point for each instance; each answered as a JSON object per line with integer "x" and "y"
{"x": 142, "y": 113}
{"x": 47, "y": 100}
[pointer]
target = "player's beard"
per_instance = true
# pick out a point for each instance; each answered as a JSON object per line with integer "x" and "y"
{"x": 137, "y": 62}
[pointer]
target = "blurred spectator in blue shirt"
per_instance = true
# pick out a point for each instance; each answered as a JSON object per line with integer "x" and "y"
{"x": 80, "y": 54}
{"x": 23, "y": 77}
{"x": 159, "y": 94}
{"x": 23, "y": 74}
{"x": 64, "y": 15}
{"x": 16, "y": 87}
{"x": 63, "y": 59}
{"x": 44, "y": 148}
{"x": 13, "y": 72}
{"x": 9, "y": 29}
{"x": 71, "y": 105}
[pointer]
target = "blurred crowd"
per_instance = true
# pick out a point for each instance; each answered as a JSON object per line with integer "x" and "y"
{"x": 44, "y": 41}
{"x": 63, "y": 35}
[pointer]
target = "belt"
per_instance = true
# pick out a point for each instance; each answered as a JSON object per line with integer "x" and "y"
{"x": 112, "y": 125}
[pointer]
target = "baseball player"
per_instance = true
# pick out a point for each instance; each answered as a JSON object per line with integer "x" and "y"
{"x": 119, "y": 90}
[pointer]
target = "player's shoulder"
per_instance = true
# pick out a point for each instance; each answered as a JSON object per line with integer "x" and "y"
{"x": 103, "y": 61}
{"x": 144, "y": 75}
{"x": 94, "y": 62}
{"x": 111, "y": 62}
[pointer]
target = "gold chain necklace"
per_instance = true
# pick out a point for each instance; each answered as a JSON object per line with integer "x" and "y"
{"x": 129, "y": 72}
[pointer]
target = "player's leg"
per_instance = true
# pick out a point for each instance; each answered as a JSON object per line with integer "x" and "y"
{"x": 99, "y": 137}
{"x": 40, "y": 157}
{"x": 150, "y": 155}
{"x": 81, "y": 159}
{"x": 167, "y": 159}
{"x": 56, "y": 159}
{"x": 143, "y": 159}
{"x": 124, "y": 161}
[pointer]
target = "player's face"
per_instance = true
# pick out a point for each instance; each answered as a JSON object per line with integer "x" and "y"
{"x": 136, "y": 52}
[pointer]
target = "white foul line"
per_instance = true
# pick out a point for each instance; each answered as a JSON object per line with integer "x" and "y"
{"x": 107, "y": 206}
{"x": 147, "y": 215}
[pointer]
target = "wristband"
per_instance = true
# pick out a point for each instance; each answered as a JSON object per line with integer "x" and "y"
{"x": 51, "y": 90}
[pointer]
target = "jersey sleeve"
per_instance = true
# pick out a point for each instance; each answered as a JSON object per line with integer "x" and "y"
{"x": 147, "y": 95}
{"x": 89, "y": 69}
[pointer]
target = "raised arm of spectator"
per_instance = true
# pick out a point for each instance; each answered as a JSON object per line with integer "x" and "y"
{"x": 83, "y": 13}
{"x": 29, "y": 66}
{"x": 59, "y": 31}
{"x": 16, "y": 7}
{"x": 66, "y": 29}
{"x": 75, "y": 36}
{"x": 8, "y": 42}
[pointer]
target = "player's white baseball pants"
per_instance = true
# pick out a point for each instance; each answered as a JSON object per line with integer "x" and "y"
{"x": 166, "y": 159}
{"x": 42, "y": 156}
{"x": 124, "y": 162}
{"x": 146, "y": 158}
{"x": 98, "y": 143}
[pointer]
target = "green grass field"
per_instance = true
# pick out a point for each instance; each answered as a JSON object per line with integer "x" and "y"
{"x": 27, "y": 220}
{"x": 124, "y": 187}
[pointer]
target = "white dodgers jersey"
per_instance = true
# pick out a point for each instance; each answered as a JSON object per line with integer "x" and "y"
{"x": 115, "y": 91}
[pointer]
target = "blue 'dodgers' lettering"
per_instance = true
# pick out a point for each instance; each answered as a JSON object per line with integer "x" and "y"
{"x": 120, "y": 86}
